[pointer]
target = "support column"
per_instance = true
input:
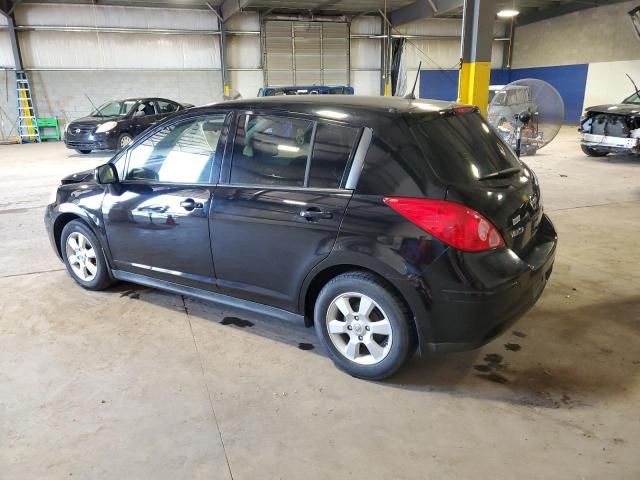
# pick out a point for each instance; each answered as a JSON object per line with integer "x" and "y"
{"x": 15, "y": 47}
{"x": 477, "y": 40}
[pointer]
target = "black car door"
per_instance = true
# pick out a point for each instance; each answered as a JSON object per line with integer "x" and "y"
{"x": 157, "y": 219}
{"x": 144, "y": 116}
{"x": 279, "y": 212}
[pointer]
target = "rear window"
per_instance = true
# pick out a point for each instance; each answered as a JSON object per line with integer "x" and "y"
{"x": 463, "y": 148}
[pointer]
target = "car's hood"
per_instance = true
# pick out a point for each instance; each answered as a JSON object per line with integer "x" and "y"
{"x": 85, "y": 176}
{"x": 95, "y": 121}
{"x": 617, "y": 109}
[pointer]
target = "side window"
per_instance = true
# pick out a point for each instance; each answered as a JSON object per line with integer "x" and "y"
{"x": 145, "y": 109}
{"x": 331, "y": 151}
{"x": 181, "y": 153}
{"x": 167, "y": 107}
{"x": 271, "y": 150}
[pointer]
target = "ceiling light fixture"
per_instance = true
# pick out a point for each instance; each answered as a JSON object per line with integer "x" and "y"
{"x": 508, "y": 13}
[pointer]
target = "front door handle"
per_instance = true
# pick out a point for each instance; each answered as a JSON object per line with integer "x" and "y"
{"x": 314, "y": 214}
{"x": 190, "y": 204}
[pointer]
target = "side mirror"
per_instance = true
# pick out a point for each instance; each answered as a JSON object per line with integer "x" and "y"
{"x": 106, "y": 174}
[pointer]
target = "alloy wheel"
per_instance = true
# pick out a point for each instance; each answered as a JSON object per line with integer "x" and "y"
{"x": 81, "y": 256}
{"x": 125, "y": 140}
{"x": 359, "y": 329}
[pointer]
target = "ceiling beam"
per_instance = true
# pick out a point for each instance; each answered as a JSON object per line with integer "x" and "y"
{"x": 423, "y": 9}
{"x": 228, "y": 8}
{"x": 558, "y": 10}
{"x": 5, "y": 6}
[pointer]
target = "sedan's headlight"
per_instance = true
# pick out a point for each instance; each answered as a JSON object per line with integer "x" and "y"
{"x": 105, "y": 127}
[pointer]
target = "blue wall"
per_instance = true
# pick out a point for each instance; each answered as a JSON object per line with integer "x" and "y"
{"x": 569, "y": 80}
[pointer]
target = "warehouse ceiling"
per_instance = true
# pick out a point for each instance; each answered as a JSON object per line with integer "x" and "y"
{"x": 530, "y": 10}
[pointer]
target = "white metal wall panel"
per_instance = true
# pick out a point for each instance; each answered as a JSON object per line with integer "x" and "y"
{"x": 82, "y": 50}
{"x": 307, "y": 41}
{"x": 247, "y": 83}
{"x": 279, "y": 53}
{"x": 244, "y": 21}
{"x": 335, "y": 53}
{"x": 242, "y": 51}
{"x": 366, "y": 25}
{"x": 115, "y": 17}
{"x": 366, "y": 82}
{"x": 306, "y": 53}
{"x": 6, "y": 53}
{"x": 445, "y": 54}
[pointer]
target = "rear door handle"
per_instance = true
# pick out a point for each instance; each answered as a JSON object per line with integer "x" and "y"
{"x": 315, "y": 213}
{"x": 190, "y": 204}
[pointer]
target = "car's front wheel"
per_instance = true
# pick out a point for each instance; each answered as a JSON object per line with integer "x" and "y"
{"x": 124, "y": 140}
{"x": 363, "y": 325}
{"x": 83, "y": 256}
{"x": 593, "y": 153}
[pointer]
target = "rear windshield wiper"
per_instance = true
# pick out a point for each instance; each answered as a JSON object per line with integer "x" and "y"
{"x": 507, "y": 172}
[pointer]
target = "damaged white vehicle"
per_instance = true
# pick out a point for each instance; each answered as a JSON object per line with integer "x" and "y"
{"x": 612, "y": 128}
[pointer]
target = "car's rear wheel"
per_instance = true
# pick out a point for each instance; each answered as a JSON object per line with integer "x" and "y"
{"x": 364, "y": 325}
{"x": 84, "y": 152}
{"x": 124, "y": 140}
{"x": 83, "y": 256}
{"x": 593, "y": 153}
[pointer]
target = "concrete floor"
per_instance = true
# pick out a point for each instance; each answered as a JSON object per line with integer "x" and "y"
{"x": 136, "y": 383}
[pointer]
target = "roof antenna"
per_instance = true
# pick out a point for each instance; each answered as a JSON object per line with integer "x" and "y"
{"x": 411, "y": 95}
{"x": 634, "y": 84}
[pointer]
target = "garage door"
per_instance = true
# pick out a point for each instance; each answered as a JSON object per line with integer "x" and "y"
{"x": 306, "y": 53}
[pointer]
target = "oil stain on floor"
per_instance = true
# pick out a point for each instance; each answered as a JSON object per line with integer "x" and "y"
{"x": 238, "y": 322}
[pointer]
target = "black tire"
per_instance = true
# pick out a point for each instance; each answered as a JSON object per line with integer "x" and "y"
{"x": 102, "y": 278}
{"x": 124, "y": 140}
{"x": 402, "y": 334}
{"x": 593, "y": 153}
{"x": 84, "y": 152}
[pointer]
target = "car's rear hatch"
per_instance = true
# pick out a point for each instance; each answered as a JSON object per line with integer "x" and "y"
{"x": 482, "y": 172}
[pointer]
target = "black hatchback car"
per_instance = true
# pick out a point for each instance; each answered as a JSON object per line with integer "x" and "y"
{"x": 390, "y": 224}
{"x": 115, "y": 124}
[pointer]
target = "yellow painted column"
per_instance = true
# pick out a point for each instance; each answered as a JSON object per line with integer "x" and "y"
{"x": 478, "y": 18}
{"x": 473, "y": 85}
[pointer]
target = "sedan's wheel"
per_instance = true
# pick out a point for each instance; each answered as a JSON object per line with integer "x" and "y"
{"x": 364, "y": 325}
{"x": 124, "y": 140}
{"x": 83, "y": 256}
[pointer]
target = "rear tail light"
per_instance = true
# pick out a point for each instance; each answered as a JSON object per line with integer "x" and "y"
{"x": 454, "y": 224}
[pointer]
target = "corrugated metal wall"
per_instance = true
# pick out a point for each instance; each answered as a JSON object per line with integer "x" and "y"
{"x": 306, "y": 53}
{"x": 108, "y": 52}
{"x": 243, "y": 53}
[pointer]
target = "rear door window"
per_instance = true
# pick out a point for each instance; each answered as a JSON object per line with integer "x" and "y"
{"x": 463, "y": 148}
{"x": 331, "y": 151}
{"x": 167, "y": 107}
{"x": 271, "y": 150}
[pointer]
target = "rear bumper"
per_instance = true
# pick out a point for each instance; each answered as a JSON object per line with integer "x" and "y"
{"x": 484, "y": 294}
{"x": 606, "y": 143}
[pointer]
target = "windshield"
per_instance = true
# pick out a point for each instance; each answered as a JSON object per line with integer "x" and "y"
{"x": 114, "y": 109}
{"x": 635, "y": 98}
{"x": 499, "y": 98}
{"x": 463, "y": 148}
